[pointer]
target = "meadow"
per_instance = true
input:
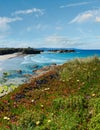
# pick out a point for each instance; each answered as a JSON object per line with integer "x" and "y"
{"x": 66, "y": 98}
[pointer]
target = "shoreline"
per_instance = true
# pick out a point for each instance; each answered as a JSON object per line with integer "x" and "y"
{"x": 9, "y": 56}
{"x": 37, "y": 74}
{"x": 41, "y": 73}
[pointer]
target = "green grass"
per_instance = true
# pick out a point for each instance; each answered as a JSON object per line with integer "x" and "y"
{"x": 65, "y": 99}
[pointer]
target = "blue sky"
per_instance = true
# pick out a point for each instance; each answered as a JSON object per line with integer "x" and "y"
{"x": 50, "y": 23}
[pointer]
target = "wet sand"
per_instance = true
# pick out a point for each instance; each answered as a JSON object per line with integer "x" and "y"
{"x": 8, "y": 56}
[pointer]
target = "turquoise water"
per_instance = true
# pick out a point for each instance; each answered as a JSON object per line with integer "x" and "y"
{"x": 32, "y": 62}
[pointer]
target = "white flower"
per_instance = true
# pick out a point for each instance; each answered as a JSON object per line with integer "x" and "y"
{"x": 32, "y": 100}
{"x": 6, "y": 118}
{"x": 46, "y": 89}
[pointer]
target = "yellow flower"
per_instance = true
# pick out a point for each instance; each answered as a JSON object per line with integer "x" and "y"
{"x": 38, "y": 122}
{"x": 77, "y": 80}
{"x": 49, "y": 121}
{"x": 42, "y": 106}
{"x": 52, "y": 114}
{"x": 93, "y": 94}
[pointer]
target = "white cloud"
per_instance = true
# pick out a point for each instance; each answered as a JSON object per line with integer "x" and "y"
{"x": 97, "y": 19}
{"x": 14, "y": 43}
{"x": 57, "y": 41}
{"x": 90, "y": 15}
{"x": 81, "y": 18}
{"x": 36, "y": 11}
{"x": 75, "y": 4}
{"x": 98, "y": 37}
{"x": 9, "y": 20}
{"x": 5, "y": 25}
{"x": 38, "y": 27}
{"x": 90, "y": 45}
{"x": 41, "y": 27}
{"x": 59, "y": 28}
{"x": 4, "y": 22}
{"x": 60, "y": 41}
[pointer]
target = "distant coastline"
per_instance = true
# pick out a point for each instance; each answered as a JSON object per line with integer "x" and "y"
{"x": 29, "y": 50}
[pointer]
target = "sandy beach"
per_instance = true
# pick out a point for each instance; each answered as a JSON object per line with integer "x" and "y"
{"x": 8, "y": 56}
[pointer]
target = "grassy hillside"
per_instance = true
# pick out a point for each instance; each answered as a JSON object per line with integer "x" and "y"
{"x": 65, "y": 99}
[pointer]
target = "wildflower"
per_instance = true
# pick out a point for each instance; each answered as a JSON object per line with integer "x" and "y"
{"x": 77, "y": 80}
{"x": 83, "y": 83}
{"x": 32, "y": 100}
{"x": 42, "y": 106}
{"x": 91, "y": 112}
{"x": 46, "y": 89}
{"x": 38, "y": 122}
{"x": 5, "y": 101}
{"x": 93, "y": 94}
{"x": 63, "y": 80}
{"x": 6, "y": 118}
{"x": 49, "y": 121}
{"x": 52, "y": 114}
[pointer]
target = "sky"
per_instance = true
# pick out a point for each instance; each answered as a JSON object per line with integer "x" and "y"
{"x": 50, "y": 23}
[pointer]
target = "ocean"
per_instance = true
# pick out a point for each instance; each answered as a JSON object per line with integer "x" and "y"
{"x": 26, "y": 64}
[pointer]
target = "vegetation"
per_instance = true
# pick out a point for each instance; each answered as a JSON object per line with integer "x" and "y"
{"x": 65, "y": 99}
{"x": 28, "y": 50}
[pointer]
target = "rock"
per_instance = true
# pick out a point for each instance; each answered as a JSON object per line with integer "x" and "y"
{"x": 6, "y": 74}
{"x": 62, "y": 51}
{"x": 27, "y": 75}
{"x": 42, "y": 81}
{"x": 19, "y": 96}
{"x": 29, "y": 50}
{"x": 53, "y": 64}
{"x": 35, "y": 66}
{"x": 19, "y": 71}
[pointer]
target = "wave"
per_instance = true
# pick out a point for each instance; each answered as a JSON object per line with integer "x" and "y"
{"x": 42, "y": 59}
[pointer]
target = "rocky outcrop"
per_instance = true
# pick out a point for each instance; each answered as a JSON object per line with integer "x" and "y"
{"x": 29, "y": 50}
{"x": 62, "y": 51}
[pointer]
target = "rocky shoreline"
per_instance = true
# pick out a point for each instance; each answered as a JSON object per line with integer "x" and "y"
{"x": 62, "y": 50}
{"x": 37, "y": 74}
{"x": 29, "y": 50}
